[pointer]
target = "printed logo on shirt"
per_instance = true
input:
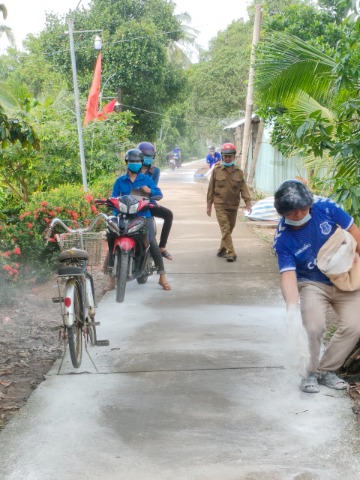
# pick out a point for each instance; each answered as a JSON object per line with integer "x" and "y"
{"x": 325, "y": 228}
{"x": 312, "y": 264}
{"x": 303, "y": 249}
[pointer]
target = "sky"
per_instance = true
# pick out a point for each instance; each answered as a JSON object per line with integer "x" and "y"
{"x": 209, "y": 17}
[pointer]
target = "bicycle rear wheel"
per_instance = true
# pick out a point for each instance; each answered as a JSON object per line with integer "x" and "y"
{"x": 75, "y": 333}
{"x": 91, "y": 328}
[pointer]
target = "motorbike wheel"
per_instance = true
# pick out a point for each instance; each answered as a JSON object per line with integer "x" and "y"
{"x": 121, "y": 274}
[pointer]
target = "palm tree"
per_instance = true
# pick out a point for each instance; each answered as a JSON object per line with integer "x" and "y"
{"x": 181, "y": 51}
{"x": 4, "y": 29}
{"x": 318, "y": 96}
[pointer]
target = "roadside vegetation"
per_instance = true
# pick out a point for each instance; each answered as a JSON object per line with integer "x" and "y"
{"x": 307, "y": 87}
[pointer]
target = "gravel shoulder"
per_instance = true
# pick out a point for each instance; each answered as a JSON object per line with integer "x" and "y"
{"x": 29, "y": 341}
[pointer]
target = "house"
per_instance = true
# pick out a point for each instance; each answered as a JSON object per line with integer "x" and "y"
{"x": 265, "y": 167}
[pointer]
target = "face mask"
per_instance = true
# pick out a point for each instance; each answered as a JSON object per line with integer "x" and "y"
{"x": 148, "y": 161}
{"x": 230, "y": 164}
{"x": 134, "y": 167}
{"x": 298, "y": 223}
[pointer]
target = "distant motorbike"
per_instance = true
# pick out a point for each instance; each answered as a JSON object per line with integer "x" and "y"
{"x": 177, "y": 158}
{"x": 128, "y": 239}
{"x": 172, "y": 162}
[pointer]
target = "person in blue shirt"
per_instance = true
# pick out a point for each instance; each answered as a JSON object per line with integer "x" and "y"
{"x": 158, "y": 211}
{"x": 307, "y": 223}
{"x": 212, "y": 157}
{"x": 177, "y": 150}
{"x": 135, "y": 180}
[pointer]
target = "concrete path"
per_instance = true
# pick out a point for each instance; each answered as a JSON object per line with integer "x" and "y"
{"x": 195, "y": 384}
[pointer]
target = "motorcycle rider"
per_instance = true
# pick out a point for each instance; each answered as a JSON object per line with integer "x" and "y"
{"x": 212, "y": 157}
{"x": 135, "y": 180}
{"x": 226, "y": 187}
{"x": 177, "y": 155}
{"x": 158, "y": 211}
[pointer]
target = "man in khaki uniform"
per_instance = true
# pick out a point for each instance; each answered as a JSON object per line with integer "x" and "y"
{"x": 227, "y": 185}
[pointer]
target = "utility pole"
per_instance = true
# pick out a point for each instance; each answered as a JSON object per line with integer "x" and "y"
{"x": 250, "y": 91}
{"x": 77, "y": 104}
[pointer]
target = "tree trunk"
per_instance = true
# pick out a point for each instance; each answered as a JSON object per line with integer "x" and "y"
{"x": 250, "y": 91}
{"x": 256, "y": 154}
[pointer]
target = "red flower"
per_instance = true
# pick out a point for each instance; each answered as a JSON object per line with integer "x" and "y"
{"x": 47, "y": 220}
{"x": 29, "y": 225}
{"x": 44, "y": 204}
{"x": 74, "y": 215}
{"x": 94, "y": 209}
{"x": 88, "y": 197}
{"x": 17, "y": 251}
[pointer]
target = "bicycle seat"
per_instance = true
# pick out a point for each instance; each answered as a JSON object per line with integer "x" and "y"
{"x": 73, "y": 253}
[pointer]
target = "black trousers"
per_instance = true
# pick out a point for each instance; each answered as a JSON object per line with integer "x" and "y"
{"x": 167, "y": 215}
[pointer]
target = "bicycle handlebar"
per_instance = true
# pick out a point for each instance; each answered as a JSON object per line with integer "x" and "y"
{"x": 58, "y": 221}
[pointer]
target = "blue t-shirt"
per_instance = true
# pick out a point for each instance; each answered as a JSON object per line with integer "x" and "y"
{"x": 123, "y": 186}
{"x": 297, "y": 249}
{"x": 211, "y": 160}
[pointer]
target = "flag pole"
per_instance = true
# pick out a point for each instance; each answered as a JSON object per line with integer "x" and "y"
{"x": 77, "y": 105}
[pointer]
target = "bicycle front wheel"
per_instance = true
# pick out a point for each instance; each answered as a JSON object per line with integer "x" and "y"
{"x": 74, "y": 332}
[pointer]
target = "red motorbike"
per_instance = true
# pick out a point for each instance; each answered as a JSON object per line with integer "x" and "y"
{"x": 128, "y": 240}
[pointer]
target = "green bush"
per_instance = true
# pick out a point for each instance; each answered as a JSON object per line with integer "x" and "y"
{"x": 24, "y": 252}
{"x": 27, "y": 232}
{"x": 9, "y": 267}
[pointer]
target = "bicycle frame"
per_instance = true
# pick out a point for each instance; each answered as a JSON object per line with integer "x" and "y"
{"x": 78, "y": 302}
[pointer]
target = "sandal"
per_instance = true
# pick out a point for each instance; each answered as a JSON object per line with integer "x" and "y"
{"x": 165, "y": 285}
{"x": 331, "y": 380}
{"x": 310, "y": 384}
{"x": 166, "y": 255}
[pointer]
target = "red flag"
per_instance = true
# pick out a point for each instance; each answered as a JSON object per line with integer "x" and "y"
{"x": 109, "y": 107}
{"x": 93, "y": 98}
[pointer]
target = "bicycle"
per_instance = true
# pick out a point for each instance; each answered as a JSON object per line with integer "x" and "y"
{"x": 80, "y": 248}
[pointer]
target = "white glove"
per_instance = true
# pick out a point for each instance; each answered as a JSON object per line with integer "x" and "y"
{"x": 296, "y": 339}
{"x": 292, "y": 314}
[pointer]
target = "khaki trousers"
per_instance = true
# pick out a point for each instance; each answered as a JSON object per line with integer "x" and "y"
{"x": 226, "y": 219}
{"x": 315, "y": 297}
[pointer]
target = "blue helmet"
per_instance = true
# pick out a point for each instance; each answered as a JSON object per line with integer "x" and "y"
{"x": 147, "y": 149}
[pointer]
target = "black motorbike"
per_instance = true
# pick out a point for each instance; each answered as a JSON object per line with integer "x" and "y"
{"x": 128, "y": 240}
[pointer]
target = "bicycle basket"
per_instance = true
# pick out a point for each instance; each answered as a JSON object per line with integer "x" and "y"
{"x": 93, "y": 244}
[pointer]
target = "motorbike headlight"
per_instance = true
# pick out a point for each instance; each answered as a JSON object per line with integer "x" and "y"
{"x": 133, "y": 208}
{"x": 123, "y": 208}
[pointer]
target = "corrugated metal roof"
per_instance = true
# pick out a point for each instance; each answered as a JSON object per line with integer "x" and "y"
{"x": 240, "y": 122}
